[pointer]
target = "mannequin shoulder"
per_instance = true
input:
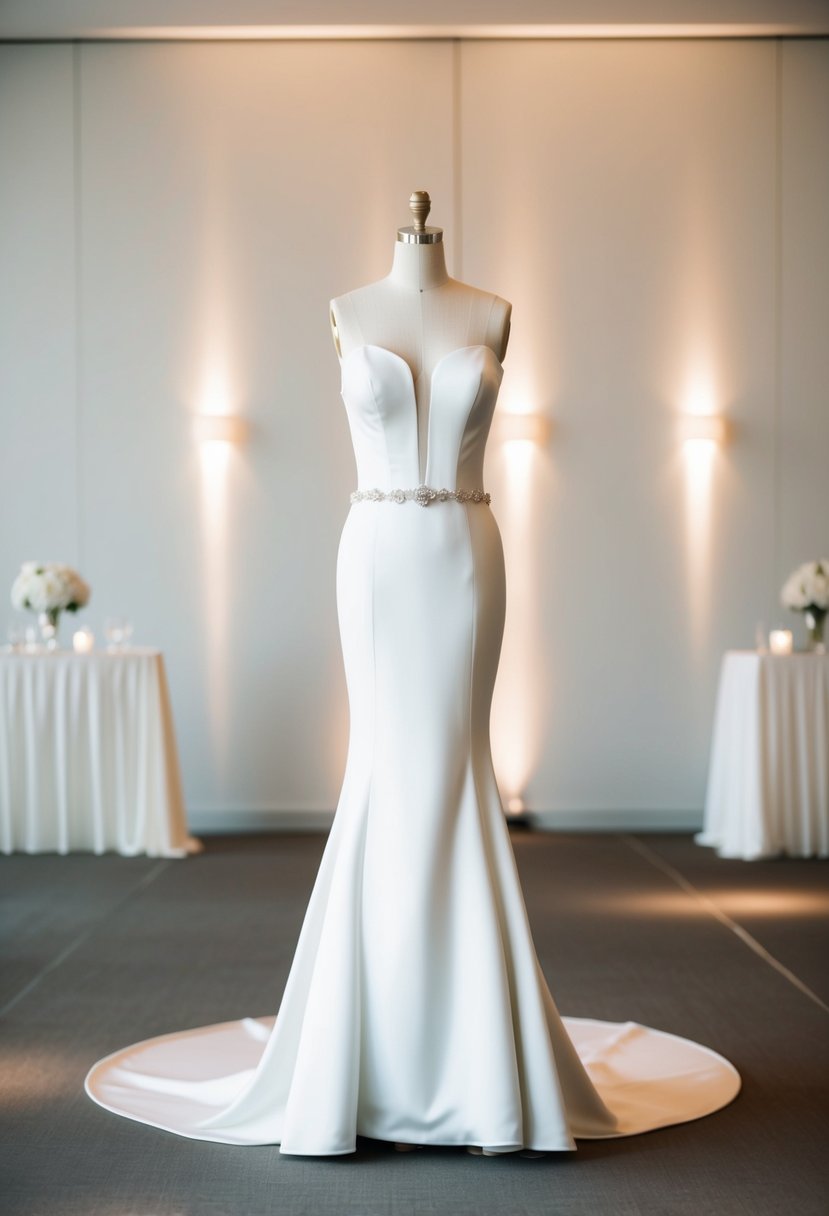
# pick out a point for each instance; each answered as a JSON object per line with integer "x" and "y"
{"x": 350, "y": 302}
{"x": 500, "y": 315}
{"x": 501, "y": 307}
{"x": 342, "y": 317}
{"x": 334, "y": 321}
{"x": 485, "y": 301}
{"x": 489, "y": 316}
{"x": 339, "y": 308}
{"x": 349, "y": 313}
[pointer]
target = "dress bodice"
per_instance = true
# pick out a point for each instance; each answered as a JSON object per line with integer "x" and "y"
{"x": 378, "y": 391}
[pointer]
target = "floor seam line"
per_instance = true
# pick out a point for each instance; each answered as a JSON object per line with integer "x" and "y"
{"x": 711, "y": 907}
{"x": 67, "y": 951}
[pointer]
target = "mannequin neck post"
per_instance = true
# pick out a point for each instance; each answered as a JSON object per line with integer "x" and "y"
{"x": 418, "y": 267}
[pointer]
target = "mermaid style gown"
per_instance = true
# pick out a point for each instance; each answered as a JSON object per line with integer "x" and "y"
{"x": 416, "y": 1009}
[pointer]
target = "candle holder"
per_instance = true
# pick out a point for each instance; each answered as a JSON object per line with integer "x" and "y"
{"x": 83, "y": 640}
{"x": 780, "y": 641}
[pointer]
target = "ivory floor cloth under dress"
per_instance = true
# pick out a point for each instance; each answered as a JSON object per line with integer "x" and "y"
{"x": 416, "y": 1009}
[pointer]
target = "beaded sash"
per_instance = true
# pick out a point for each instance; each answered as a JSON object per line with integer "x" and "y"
{"x": 422, "y": 495}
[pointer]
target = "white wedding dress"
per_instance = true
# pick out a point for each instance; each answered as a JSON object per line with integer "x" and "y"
{"x": 416, "y": 1009}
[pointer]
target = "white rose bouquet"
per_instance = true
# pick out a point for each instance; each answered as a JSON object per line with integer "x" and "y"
{"x": 806, "y": 590}
{"x": 49, "y": 588}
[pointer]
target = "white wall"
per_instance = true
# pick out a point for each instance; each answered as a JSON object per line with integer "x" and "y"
{"x": 38, "y": 335}
{"x": 173, "y": 221}
{"x": 803, "y": 315}
{"x": 633, "y": 226}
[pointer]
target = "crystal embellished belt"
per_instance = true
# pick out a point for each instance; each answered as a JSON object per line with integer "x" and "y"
{"x": 422, "y": 495}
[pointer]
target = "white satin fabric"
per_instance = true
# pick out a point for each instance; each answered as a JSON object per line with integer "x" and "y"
{"x": 768, "y": 779}
{"x": 88, "y": 757}
{"x": 416, "y": 1009}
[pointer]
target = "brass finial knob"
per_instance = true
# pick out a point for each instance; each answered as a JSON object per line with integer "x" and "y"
{"x": 420, "y": 205}
{"x": 417, "y": 233}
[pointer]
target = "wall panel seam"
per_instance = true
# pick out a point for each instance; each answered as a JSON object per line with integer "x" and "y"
{"x": 78, "y": 301}
{"x": 457, "y": 157}
{"x": 778, "y": 314}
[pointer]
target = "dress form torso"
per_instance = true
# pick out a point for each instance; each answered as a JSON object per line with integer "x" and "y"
{"x": 420, "y": 314}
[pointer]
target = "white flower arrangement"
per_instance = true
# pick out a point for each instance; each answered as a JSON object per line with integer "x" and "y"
{"x": 807, "y": 588}
{"x": 49, "y": 588}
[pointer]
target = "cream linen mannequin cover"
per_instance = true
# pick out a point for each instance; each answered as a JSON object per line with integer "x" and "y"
{"x": 416, "y": 1009}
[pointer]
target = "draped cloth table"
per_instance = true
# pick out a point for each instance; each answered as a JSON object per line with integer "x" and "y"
{"x": 768, "y": 781}
{"x": 88, "y": 756}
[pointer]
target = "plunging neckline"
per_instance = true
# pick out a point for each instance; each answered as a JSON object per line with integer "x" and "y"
{"x": 458, "y": 350}
{"x": 455, "y": 351}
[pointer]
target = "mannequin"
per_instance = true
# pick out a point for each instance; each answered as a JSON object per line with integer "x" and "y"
{"x": 416, "y": 1010}
{"x": 418, "y": 312}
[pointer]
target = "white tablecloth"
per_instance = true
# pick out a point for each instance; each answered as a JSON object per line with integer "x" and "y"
{"x": 88, "y": 756}
{"x": 768, "y": 782}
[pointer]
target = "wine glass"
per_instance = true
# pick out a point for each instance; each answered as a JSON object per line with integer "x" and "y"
{"x": 16, "y": 635}
{"x": 117, "y": 631}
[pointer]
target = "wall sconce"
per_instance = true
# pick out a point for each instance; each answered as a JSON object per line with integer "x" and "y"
{"x": 517, "y": 814}
{"x": 705, "y": 428}
{"x": 220, "y": 428}
{"x": 523, "y": 428}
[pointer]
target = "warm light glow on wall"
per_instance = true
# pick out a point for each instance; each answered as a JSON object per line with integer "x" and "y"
{"x": 703, "y": 432}
{"x": 215, "y": 458}
{"x": 218, "y": 430}
{"x": 699, "y": 398}
{"x": 220, "y": 314}
{"x": 517, "y": 706}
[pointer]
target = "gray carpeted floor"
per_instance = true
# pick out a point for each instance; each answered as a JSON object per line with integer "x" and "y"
{"x": 100, "y": 952}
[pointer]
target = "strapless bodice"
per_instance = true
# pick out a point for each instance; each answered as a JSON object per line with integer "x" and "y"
{"x": 378, "y": 391}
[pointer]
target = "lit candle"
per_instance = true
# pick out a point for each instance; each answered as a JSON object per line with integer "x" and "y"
{"x": 780, "y": 641}
{"x": 83, "y": 640}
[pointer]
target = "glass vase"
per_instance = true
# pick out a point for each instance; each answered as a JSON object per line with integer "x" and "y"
{"x": 815, "y": 619}
{"x": 49, "y": 625}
